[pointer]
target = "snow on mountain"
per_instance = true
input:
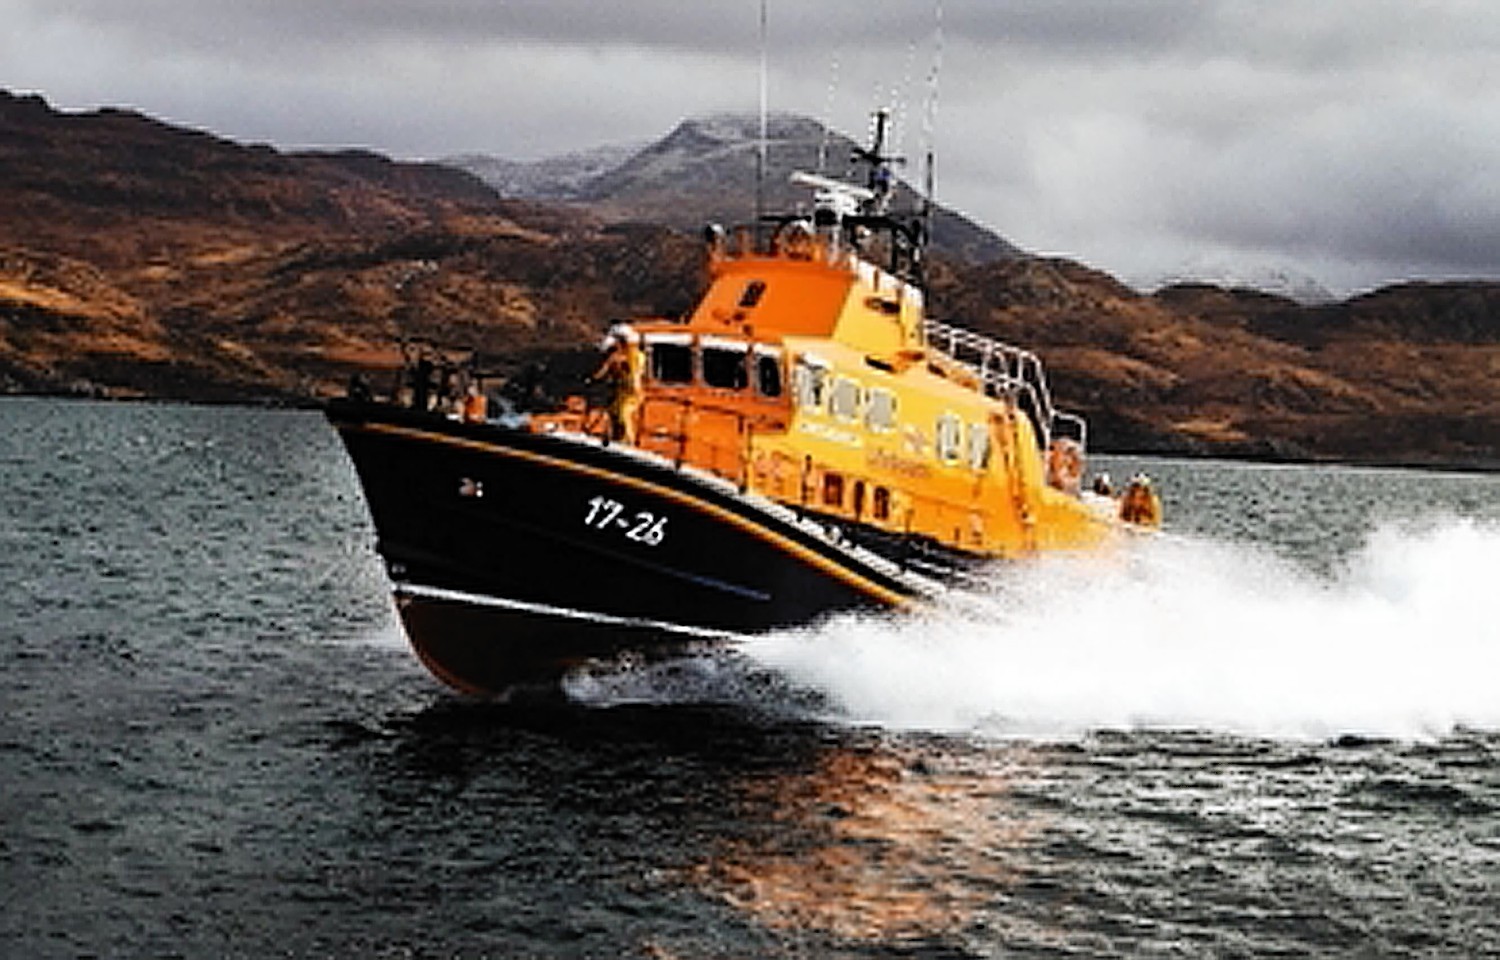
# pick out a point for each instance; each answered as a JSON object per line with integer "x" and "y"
{"x": 561, "y": 177}
{"x": 1270, "y": 278}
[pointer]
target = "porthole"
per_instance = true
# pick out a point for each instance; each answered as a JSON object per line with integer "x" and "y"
{"x": 833, "y": 489}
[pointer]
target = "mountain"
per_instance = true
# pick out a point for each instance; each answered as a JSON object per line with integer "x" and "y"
{"x": 563, "y": 177}
{"x": 704, "y": 171}
{"x": 1280, "y": 281}
{"x": 142, "y": 259}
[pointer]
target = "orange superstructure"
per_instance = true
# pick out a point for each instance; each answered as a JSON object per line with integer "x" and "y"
{"x": 810, "y": 375}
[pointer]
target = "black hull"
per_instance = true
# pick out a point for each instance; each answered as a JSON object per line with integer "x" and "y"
{"x": 516, "y": 555}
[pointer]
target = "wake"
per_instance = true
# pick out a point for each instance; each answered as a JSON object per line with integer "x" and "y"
{"x": 1402, "y": 640}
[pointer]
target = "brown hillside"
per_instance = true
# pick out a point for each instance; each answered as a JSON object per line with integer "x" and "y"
{"x": 140, "y": 259}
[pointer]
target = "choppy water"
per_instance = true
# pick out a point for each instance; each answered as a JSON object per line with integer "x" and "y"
{"x": 1275, "y": 732}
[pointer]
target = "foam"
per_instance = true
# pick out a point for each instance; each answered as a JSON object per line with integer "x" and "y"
{"x": 1403, "y": 640}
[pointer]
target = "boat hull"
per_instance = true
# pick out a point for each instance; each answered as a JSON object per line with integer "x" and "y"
{"x": 515, "y": 556}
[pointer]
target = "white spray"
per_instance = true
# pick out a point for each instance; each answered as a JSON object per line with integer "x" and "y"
{"x": 1403, "y": 641}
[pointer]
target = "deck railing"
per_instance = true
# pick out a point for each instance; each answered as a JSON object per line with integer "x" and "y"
{"x": 1010, "y": 372}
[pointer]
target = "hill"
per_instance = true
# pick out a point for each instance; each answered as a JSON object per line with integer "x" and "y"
{"x": 142, "y": 259}
{"x": 1406, "y": 375}
{"x": 704, "y": 170}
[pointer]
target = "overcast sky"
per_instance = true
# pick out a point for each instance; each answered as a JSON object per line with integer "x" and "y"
{"x": 1354, "y": 140}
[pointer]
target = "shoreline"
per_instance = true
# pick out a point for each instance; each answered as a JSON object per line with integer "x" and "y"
{"x": 1482, "y": 467}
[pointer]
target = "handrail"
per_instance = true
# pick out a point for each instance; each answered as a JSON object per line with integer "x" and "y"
{"x": 1004, "y": 371}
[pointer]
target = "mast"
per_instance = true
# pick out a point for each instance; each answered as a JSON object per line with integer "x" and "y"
{"x": 878, "y": 179}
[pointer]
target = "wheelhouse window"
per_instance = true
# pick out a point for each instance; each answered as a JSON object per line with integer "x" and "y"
{"x": 670, "y": 361}
{"x": 843, "y": 401}
{"x": 724, "y": 366}
{"x": 810, "y": 382}
{"x": 950, "y": 434}
{"x": 768, "y": 374}
{"x": 880, "y": 409}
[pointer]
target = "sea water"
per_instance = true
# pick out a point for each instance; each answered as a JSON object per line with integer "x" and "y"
{"x": 1272, "y": 730}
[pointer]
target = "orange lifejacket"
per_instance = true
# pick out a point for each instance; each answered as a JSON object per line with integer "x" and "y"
{"x": 476, "y": 408}
{"x": 1140, "y": 505}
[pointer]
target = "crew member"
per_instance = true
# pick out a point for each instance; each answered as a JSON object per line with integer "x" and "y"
{"x": 1139, "y": 504}
{"x": 475, "y": 405}
{"x": 622, "y": 369}
{"x": 1065, "y": 465}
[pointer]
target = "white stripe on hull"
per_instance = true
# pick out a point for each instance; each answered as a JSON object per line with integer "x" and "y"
{"x": 404, "y": 588}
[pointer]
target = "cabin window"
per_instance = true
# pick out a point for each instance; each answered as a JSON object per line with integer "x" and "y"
{"x": 833, "y": 489}
{"x": 810, "y": 383}
{"x": 950, "y": 434}
{"x": 753, "y": 291}
{"x": 859, "y": 499}
{"x": 880, "y": 409}
{"x": 768, "y": 374}
{"x": 724, "y": 367}
{"x": 843, "y": 401}
{"x": 672, "y": 362}
{"x": 880, "y": 504}
{"x": 979, "y": 446}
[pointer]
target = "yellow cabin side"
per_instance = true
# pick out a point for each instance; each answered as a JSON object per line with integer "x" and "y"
{"x": 910, "y": 451}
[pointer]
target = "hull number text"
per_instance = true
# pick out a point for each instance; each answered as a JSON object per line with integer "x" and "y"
{"x": 642, "y": 526}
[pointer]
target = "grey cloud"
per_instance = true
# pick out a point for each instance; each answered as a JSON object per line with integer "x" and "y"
{"x": 721, "y": 27}
{"x": 1344, "y": 132}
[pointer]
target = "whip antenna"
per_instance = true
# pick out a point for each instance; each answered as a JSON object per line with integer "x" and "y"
{"x": 760, "y": 154}
{"x": 833, "y": 84}
{"x": 929, "y": 115}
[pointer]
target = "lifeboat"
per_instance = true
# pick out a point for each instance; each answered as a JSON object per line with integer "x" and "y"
{"x": 805, "y": 441}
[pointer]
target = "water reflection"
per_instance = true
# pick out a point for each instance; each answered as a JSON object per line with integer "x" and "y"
{"x": 876, "y": 843}
{"x": 813, "y": 834}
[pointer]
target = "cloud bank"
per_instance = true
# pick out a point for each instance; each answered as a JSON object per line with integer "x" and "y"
{"x": 1351, "y": 139}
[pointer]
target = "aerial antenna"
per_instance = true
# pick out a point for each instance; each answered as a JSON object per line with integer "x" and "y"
{"x": 929, "y": 116}
{"x": 760, "y": 154}
{"x": 833, "y": 85}
{"x": 901, "y": 98}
